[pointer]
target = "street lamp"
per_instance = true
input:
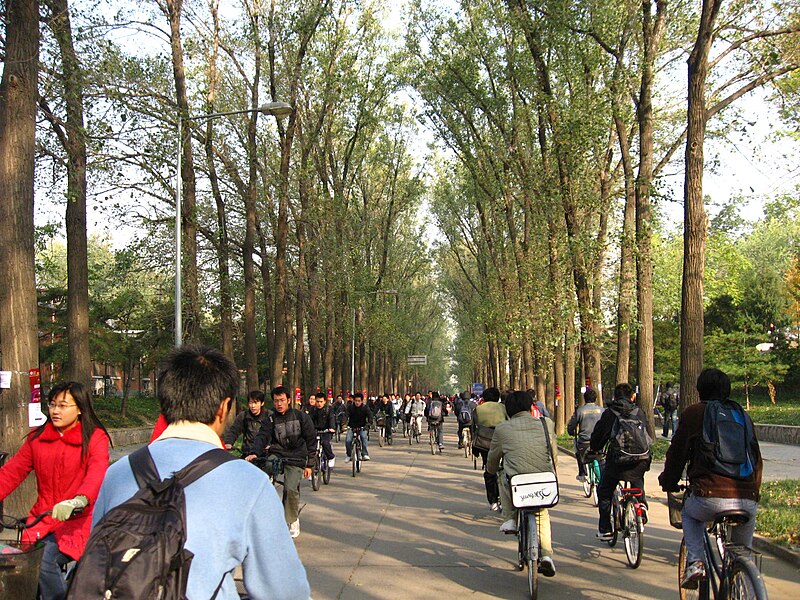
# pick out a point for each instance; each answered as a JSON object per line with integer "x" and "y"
{"x": 353, "y": 341}
{"x": 277, "y": 110}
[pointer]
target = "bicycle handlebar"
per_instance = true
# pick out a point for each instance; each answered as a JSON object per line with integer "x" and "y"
{"x": 8, "y": 522}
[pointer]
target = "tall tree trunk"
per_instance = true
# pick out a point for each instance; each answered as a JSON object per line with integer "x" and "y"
{"x": 269, "y": 308}
{"x": 652, "y": 30}
{"x": 558, "y": 371}
{"x": 73, "y": 137}
{"x": 695, "y": 220}
{"x": 191, "y": 316}
{"x": 569, "y": 378}
{"x": 19, "y": 349}
{"x": 626, "y": 262}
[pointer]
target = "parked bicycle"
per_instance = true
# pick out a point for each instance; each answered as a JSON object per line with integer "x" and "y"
{"x": 732, "y": 571}
{"x": 321, "y": 470}
{"x": 627, "y": 519}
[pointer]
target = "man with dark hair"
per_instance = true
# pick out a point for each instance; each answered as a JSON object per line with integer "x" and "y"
{"x": 247, "y": 423}
{"x": 196, "y": 386}
{"x": 288, "y": 434}
{"x": 711, "y": 492}
{"x": 621, "y": 464}
{"x": 359, "y": 416}
{"x": 526, "y": 445}
{"x": 668, "y": 401}
{"x": 488, "y": 414}
{"x": 581, "y": 426}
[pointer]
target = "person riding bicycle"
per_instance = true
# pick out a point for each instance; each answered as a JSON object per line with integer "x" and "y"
{"x": 711, "y": 491}
{"x": 340, "y": 411}
{"x": 434, "y": 412}
{"x": 487, "y": 415}
{"x": 387, "y": 408}
{"x": 247, "y": 423}
{"x": 415, "y": 410}
{"x": 288, "y": 433}
{"x": 521, "y": 443}
{"x": 324, "y": 420}
{"x": 463, "y": 408}
{"x": 359, "y": 416}
{"x": 581, "y": 425}
{"x": 623, "y": 428}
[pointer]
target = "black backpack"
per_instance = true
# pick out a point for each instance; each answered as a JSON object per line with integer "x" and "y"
{"x": 728, "y": 444}
{"x": 137, "y": 551}
{"x": 464, "y": 415}
{"x": 630, "y": 442}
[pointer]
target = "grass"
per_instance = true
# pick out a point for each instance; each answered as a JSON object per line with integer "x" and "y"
{"x": 141, "y": 411}
{"x": 778, "y": 515}
{"x": 786, "y": 410}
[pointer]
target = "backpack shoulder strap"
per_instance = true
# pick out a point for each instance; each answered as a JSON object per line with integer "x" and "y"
{"x": 547, "y": 439}
{"x": 143, "y": 467}
{"x": 201, "y": 465}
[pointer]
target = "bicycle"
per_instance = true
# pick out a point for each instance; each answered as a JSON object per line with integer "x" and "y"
{"x": 433, "y": 430}
{"x": 627, "y": 518}
{"x": 321, "y": 469}
{"x": 592, "y": 478}
{"x": 732, "y": 571}
{"x": 19, "y": 569}
{"x": 356, "y": 450}
{"x": 414, "y": 433}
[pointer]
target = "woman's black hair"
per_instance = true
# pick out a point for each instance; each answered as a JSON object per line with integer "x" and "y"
{"x": 713, "y": 384}
{"x": 518, "y": 401}
{"x": 87, "y": 416}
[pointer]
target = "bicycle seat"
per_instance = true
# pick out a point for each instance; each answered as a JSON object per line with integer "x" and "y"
{"x": 732, "y": 517}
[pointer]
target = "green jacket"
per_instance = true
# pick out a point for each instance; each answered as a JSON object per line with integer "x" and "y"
{"x": 520, "y": 442}
{"x": 490, "y": 414}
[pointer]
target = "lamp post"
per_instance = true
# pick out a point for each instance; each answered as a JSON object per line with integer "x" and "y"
{"x": 276, "y": 109}
{"x": 353, "y": 340}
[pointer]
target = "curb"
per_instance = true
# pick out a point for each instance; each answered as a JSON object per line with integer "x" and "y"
{"x": 760, "y": 543}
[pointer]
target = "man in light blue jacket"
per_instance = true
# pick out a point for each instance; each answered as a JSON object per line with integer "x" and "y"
{"x": 233, "y": 514}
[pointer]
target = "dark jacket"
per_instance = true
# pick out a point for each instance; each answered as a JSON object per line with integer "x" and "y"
{"x": 358, "y": 416}
{"x": 288, "y": 435}
{"x": 323, "y": 418}
{"x": 702, "y": 481}
{"x": 606, "y": 425}
{"x": 583, "y": 421}
{"x": 247, "y": 425}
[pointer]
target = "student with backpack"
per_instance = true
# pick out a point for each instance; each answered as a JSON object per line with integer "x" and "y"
{"x": 623, "y": 430}
{"x": 717, "y": 439}
{"x": 668, "y": 401}
{"x": 434, "y": 411}
{"x": 69, "y": 456}
{"x": 140, "y": 541}
{"x": 463, "y": 409}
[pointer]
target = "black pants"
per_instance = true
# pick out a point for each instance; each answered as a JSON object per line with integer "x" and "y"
{"x": 489, "y": 480}
{"x": 611, "y": 476}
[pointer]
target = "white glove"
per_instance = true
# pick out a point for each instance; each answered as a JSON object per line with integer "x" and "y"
{"x": 64, "y": 509}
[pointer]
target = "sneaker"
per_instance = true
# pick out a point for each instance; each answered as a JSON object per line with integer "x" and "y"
{"x": 294, "y": 528}
{"x": 509, "y": 526}
{"x": 643, "y": 509}
{"x": 495, "y": 506}
{"x": 348, "y": 459}
{"x": 331, "y": 463}
{"x": 604, "y": 535}
{"x": 693, "y": 574}
{"x": 365, "y": 457}
{"x": 581, "y": 478}
{"x": 547, "y": 567}
{"x": 441, "y": 447}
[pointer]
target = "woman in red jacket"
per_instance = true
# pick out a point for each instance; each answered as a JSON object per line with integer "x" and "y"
{"x": 69, "y": 455}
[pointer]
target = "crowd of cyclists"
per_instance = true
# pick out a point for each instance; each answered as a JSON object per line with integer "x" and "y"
{"x": 511, "y": 433}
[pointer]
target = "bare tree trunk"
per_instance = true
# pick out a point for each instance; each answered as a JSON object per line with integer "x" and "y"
{"x": 269, "y": 315}
{"x": 695, "y": 221}
{"x": 560, "y": 416}
{"x": 172, "y": 10}
{"x": 18, "y": 323}
{"x": 72, "y": 136}
{"x": 569, "y": 379}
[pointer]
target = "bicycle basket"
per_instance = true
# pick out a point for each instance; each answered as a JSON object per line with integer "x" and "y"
{"x": 675, "y": 506}
{"x": 19, "y": 573}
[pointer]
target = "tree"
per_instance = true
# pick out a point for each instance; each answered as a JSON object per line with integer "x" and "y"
{"x": 18, "y": 342}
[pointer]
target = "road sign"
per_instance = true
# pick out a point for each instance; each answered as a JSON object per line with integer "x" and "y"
{"x": 477, "y": 388}
{"x": 418, "y": 360}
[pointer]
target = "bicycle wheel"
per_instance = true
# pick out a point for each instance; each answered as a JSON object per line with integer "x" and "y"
{"x": 381, "y": 436}
{"x": 521, "y": 540}
{"x": 532, "y": 554}
{"x": 614, "y": 523}
{"x": 701, "y": 593}
{"x": 410, "y": 435}
{"x": 315, "y": 477}
{"x": 467, "y": 441}
{"x": 633, "y": 535}
{"x": 587, "y": 486}
{"x": 431, "y": 438}
{"x": 326, "y": 473}
{"x": 745, "y": 582}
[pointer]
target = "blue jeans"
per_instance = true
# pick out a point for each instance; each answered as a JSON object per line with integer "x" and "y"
{"x": 670, "y": 418}
{"x": 52, "y": 585}
{"x": 698, "y": 510}
{"x": 348, "y": 441}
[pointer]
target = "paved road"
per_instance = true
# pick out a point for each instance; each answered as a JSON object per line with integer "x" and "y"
{"x": 412, "y": 525}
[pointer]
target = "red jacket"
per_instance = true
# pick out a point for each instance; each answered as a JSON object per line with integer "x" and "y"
{"x": 61, "y": 474}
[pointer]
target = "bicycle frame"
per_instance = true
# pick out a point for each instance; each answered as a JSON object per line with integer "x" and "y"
{"x": 528, "y": 547}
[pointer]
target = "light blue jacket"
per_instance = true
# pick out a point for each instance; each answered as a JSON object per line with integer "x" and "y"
{"x": 233, "y": 517}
